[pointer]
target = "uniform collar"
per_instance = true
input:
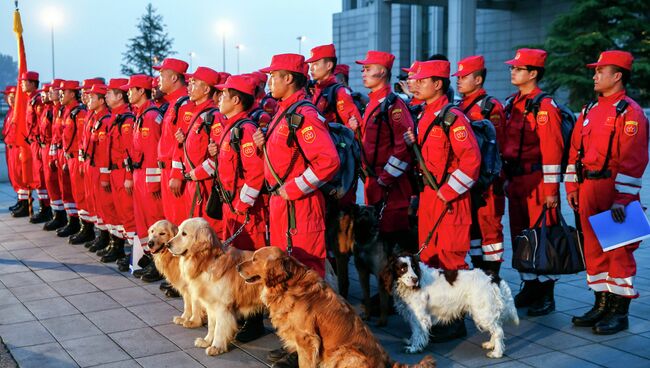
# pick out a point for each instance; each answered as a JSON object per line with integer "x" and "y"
{"x": 240, "y": 115}
{"x": 298, "y": 95}
{"x": 437, "y": 105}
{"x": 174, "y": 96}
{"x": 102, "y": 111}
{"x": 326, "y": 83}
{"x": 380, "y": 93}
{"x": 612, "y": 99}
{"x": 205, "y": 104}
{"x": 532, "y": 94}
{"x": 138, "y": 110}
{"x": 120, "y": 109}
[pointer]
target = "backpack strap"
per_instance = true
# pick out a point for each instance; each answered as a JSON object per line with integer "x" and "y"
{"x": 73, "y": 115}
{"x": 476, "y": 100}
{"x": 177, "y": 105}
{"x": 140, "y": 120}
{"x": 329, "y": 94}
{"x": 445, "y": 119}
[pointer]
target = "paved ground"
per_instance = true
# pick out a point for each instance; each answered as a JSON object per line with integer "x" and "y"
{"x": 60, "y": 307}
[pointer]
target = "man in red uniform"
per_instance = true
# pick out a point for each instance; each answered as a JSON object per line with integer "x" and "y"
{"x": 452, "y": 156}
{"x": 72, "y": 119}
{"x": 486, "y": 246}
{"x": 9, "y": 136}
{"x": 617, "y": 126}
{"x": 385, "y": 157}
{"x": 532, "y": 153}
{"x": 177, "y": 116}
{"x": 298, "y": 207}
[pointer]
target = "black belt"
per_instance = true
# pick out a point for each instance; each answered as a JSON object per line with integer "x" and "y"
{"x": 137, "y": 165}
{"x": 597, "y": 174}
{"x": 161, "y": 165}
{"x": 113, "y": 167}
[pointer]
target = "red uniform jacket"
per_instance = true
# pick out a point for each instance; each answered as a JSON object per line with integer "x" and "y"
{"x": 497, "y": 115}
{"x": 146, "y": 135}
{"x": 120, "y": 144}
{"x": 195, "y": 149}
{"x": 45, "y": 125}
{"x": 172, "y": 121}
{"x": 57, "y": 129}
{"x": 629, "y": 152}
{"x": 9, "y": 128}
{"x": 72, "y": 129}
{"x": 99, "y": 141}
{"x": 542, "y": 144}
{"x": 85, "y": 137}
{"x": 344, "y": 108}
{"x": 32, "y": 116}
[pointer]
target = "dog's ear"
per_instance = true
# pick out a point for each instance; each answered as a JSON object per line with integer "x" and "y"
{"x": 387, "y": 275}
{"x": 276, "y": 272}
{"x": 415, "y": 263}
{"x": 173, "y": 228}
{"x": 206, "y": 239}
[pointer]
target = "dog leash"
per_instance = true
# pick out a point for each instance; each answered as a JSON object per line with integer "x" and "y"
{"x": 291, "y": 209}
{"x": 425, "y": 244}
{"x": 236, "y": 234}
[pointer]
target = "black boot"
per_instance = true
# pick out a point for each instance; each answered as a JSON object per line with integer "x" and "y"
{"x": 145, "y": 263}
{"x": 477, "y": 261}
{"x": 44, "y": 214}
{"x": 85, "y": 234}
{"x": 528, "y": 294}
{"x": 71, "y": 228}
{"x": 454, "y": 330}
{"x": 100, "y": 242}
{"x": 22, "y": 210}
{"x": 102, "y": 252}
{"x": 287, "y": 361}
{"x": 276, "y": 354}
{"x": 173, "y": 293}
{"x": 151, "y": 274}
{"x": 14, "y": 206}
{"x": 123, "y": 264}
{"x": 615, "y": 320}
{"x": 252, "y": 329}
{"x": 545, "y": 304}
{"x": 595, "y": 314}
{"x": 165, "y": 285}
{"x": 116, "y": 251}
{"x": 59, "y": 221}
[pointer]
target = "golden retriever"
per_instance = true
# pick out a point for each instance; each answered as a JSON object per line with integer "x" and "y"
{"x": 310, "y": 318}
{"x": 212, "y": 278}
{"x": 160, "y": 234}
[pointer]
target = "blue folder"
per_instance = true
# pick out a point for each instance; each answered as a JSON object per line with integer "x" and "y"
{"x": 612, "y": 235}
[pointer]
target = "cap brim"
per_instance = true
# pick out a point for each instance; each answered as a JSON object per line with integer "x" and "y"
{"x": 364, "y": 62}
{"x": 594, "y": 65}
{"x": 268, "y": 69}
{"x": 514, "y": 62}
{"x": 312, "y": 59}
{"x": 157, "y": 67}
{"x": 220, "y": 87}
{"x": 406, "y": 70}
{"x": 461, "y": 74}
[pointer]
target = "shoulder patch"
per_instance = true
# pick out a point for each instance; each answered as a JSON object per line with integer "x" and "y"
{"x": 495, "y": 119}
{"x": 396, "y": 115}
{"x": 631, "y": 128}
{"x": 340, "y": 105}
{"x": 308, "y": 134}
{"x": 187, "y": 116}
{"x": 542, "y": 117}
{"x": 248, "y": 149}
{"x": 217, "y": 128}
{"x": 460, "y": 133}
{"x": 144, "y": 132}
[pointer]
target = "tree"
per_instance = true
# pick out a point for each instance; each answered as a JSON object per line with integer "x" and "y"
{"x": 576, "y": 38}
{"x": 8, "y": 71}
{"x": 150, "y": 47}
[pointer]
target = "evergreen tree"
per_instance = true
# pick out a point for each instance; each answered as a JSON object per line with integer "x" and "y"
{"x": 150, "y": 47}
{"x": 8, "y": 71}
{"x": 576, "y": 38}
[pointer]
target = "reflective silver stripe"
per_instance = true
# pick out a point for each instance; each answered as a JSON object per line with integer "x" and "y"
{"x": 392, "y": 171}
{"x": 311, "y": 178}
{"x": 456, "y": 185}
{"x": 598, "y": 277}
{"x": 248, "y": 195}
{"x": 621, "y": 290}
{"x": 552, "y": 179}
{"x": 104, "y": 170}
{"x": 152, "y": 179}
{"x": 621, "y": 281}
{"x": 570, "y": 178}
{"x": 625, "y": 189}
{"x": 177, "y": 165}
{"x": 552, "y": 169}
{"x": 463, "y": 178}
{"x": 208, "y": 166}
{"x": 489, "y": 248}
{"x": 153, "y": 171}
{"x": 303, "y": 186}
{"x": 570, "y": 169}
{"x": 398, "y": 163}
{"x": 629, "y": 180}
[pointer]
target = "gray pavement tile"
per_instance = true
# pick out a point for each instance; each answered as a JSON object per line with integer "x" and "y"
{"x": 557, "y": 359}
{"x": 638, "y": 325}
{"x": 396, "y": 352}
{"x": 184, "y": 337}
{"x": 11, "y": 245}
{"x": 177, "y": 303}
{"x": 634, "y": 344}
{"x": 510, "y": 364}
{"x": 564, "y": 304}
{"x": 155, "y": 314}
{"x": 129, "y": 363}
{"x": 131, "y": 296}
{"x": 143, "y": 342}
{"x": 33, "y": 292}
{"x": 8, "y": 266}
{"x": 562, "y": 322}
{"x": 29, "y": 254}
{"x": 640, "y": 310}
{"x": 110, "y": 281}
{"x": 50, "y": 308}
{"x": 19, "y": 279}
{"x": 232, "y": 359}
{"x": 14, "y": 313}
{"x": 73, "y": 287}
{"x": 6, "y": 297}
{"x": 42, "y": 264}
{"x": 92, "y": 302}
{"x": 169, "y": 360}
{"x": 465, "y": 353}
{"x": 608, "y": 356}
{"x": 24, "y": 334}
{"x": 554, "y": 339}
{"x": 115, "y": 320}
{"x": 50, "y": 355}
{"x": 70, "y": 327}
{"x": 518, "y": 348}
{"x": 93, "y": 350}
{"x": 89, "y": 270}
{"x": 57, "y": 274}
{"x": 258, "y": 348}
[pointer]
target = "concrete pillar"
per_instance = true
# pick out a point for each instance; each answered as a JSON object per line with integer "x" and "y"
{"x": 437, "y": 31}
{"x": 462, "y": 30}
{"x": 379, "y": 26}
{"x": 417, "y": 32}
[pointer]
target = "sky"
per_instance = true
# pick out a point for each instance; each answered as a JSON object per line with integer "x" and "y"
{"x": 91, "y": 35}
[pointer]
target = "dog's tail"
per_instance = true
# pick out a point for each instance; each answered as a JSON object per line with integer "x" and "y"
{"x": 426, "y": 362}
{"x": 510, "y": 310}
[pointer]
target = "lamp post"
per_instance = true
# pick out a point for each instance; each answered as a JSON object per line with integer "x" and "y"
{"x": 238, "y": 47}
{"x": 52, "y": 17}
{"x": 223, "y": 27}
{"x": 300, "y": 39}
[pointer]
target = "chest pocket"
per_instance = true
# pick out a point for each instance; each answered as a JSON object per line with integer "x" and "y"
{"x": 436, "y": 149}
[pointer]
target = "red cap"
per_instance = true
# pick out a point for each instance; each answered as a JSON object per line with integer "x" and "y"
{"x": 205, "y": 74}
{"x": 321, "y": 52}
{"x": 384, "y": 59}
{"x": 619, "y": 58}
{"x": 223, "y": 76}
{"x": 87, "y": 83}
{"x": 9, "y": 89}
{"x": 155, "y": 82}
{"x": 469, "y": 65}
{"x": 32, "y": 76}
{"x": 46, "y": 87}
{"x": 179, "y": 66}
{"x": 117, "y": 83}
{"x": 69, "y": 84}
{"x": 413, "y": 68}
{"x": 288, "y": 62}
{"x": 138, "y": 81}
{"x": 242, "y": 83}
{"x": 56, "y": 83}
{"x": 532, "y": 57}
{"x": 342, "y": 69}
{"x": 99, "y": 89}
{"x": 432, "y": 68}
{"x": 259, "y": 76}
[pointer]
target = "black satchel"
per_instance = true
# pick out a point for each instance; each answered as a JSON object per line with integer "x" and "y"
{"x": 549, "y": 250}
{"x": 214, "y": 207}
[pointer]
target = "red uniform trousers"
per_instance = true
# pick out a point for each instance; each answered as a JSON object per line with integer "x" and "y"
{"x": 612, "y": 271}
{"x": 254, "y": 235}
{"x": 146, "y": 208}
{"x": 175, "y": 208}
{"x": 78, "y": 188}
{"x": 16, "y": 170}
{"x": 309, "y": 236}
{"x": 88, "y": 187}
{"x": 66, "y": 187}
{"x": 90, "y": 183}
{"x": 38, "y": 176}
{"x": 486, "y": 230}
{"x": 449, "y": 243}
{"x": 201, "y": 200}
{"x": 51, "y": 178}
{"x": 103, "y": 202}
{"x": 125, "y": 219}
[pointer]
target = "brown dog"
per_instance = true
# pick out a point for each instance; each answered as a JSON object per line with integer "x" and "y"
{"x": 160, "y": 234}
{"x": 310, "y": 318}
{"x": 212, "y": 278}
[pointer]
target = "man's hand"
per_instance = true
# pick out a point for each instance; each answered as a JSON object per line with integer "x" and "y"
{"x": 442, "y": 198}
{"x": 106, "y": 186}
{"x": 552, "y": 201}
{"x": 282, "y": 191}
{"x": 128, "y": 186}
{"x": 156, "y": 195}
{"x": 572, "y": 198}
{"x": 353, "y": 123}
{"x": 53, "y": 164}
{"x": 180, "y": 137}
{"x": 175, "y": 187}
{"x": 618, "y": 212}
{"x": 258, "y": 138}
{"x": 409, "y": 137}
{"x": 212, "y": 149}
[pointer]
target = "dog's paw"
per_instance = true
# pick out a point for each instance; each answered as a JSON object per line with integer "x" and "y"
{"x": 201, "y": 343}
{"x": 192, "y": 324}
{"x": 412, "y": 349}
{"x": 178, "y": 320}
{"x": 488, "y": 345}
{"x": 213, "y": 350}
{"x": 494, "y": 355}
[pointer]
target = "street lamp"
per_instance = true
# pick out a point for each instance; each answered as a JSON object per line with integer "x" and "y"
{"x": 52, "y": 17}
{"x": 223, "y": 28}
{"x": 300, "y": 39}
{"x": 238, "y": 47}
{"x": 192, "y": 54}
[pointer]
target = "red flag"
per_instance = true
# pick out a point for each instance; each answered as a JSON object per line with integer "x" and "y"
{"x": 20, "y": 106}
